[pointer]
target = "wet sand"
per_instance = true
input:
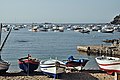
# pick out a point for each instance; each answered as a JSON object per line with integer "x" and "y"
{"x": 65, "y": 76}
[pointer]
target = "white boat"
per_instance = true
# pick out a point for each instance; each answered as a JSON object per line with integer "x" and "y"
{"x": 34, "y": 29}
{"x": 52, "y": 67}
{"x": 84, "y": 30}
{"x": 108, "y": 64}
{"x": 107, "y": 29}
{"x": 61, "y": 28}
{"x": 16, "y": 28}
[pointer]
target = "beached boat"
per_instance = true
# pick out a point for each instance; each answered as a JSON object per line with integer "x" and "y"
{"x": 52, "y": 67}
{"x": 108, "y": 64}
{"x": 4, "y": 65}
{"x": 75, "y": 64}
{"x": 28, "y": 64}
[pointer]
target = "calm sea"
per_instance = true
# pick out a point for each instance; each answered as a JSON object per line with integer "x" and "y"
{"x": 43, "y": 45}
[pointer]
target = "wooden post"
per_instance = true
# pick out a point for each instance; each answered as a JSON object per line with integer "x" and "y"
{"x": 88, "y": 51}
{"x": 115, "y": 76}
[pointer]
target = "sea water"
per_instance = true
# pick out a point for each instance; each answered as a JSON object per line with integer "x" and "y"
{"x": 46, "y": 45}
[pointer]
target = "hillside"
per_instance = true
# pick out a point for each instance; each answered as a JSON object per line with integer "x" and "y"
{"x": 116, "y": 20}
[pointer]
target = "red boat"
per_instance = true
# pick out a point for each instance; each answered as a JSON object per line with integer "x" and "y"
{"x": 28, "y": 64}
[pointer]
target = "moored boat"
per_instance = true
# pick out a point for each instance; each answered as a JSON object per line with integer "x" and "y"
{"x": 34, "y": 29}
{"x": 107, "y": 29}
{"x": 108, "y": 64}
{"x": 28, "y": 64}
{"x": 52, "y": 67}
{"x": 76, "y": 64}
{"x": 85, "y": 30}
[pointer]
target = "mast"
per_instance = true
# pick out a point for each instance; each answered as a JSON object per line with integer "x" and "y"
{"x": 2, "y": 44}
{"x": 0, "y": 38}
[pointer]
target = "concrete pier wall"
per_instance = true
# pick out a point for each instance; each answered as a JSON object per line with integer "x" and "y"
{"x": 99, "y": 50}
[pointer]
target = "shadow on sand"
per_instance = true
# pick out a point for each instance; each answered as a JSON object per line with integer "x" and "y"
{"x": 78, "y": 76}
{"x": 22, "y": 73}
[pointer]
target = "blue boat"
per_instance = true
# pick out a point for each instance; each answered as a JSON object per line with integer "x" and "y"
{"x": 77, "y": 64}
{"x": 28, "y": 64}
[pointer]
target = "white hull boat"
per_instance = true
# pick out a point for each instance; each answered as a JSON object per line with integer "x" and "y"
{"x": 107, "y": 29}
{"x": 108, "y": 64}
{"x": 52, "y": 67}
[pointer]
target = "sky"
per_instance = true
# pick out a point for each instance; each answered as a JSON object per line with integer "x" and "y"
{"x": 58, "y": 11}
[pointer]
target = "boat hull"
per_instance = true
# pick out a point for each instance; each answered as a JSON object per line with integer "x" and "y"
{"x": 28, "y": 66}
{"x": 73, "y": 65}
{"x": 76, "y": 64}
{"x": 110, "y": 64}
{"x": 107, "y": 31}
{"x": 4, "y": 66}
{"x": 52, "y": 69}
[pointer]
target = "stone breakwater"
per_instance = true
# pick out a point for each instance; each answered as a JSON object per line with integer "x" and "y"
{"x": 112, "y": 50}
{"x": 100, "y": 50}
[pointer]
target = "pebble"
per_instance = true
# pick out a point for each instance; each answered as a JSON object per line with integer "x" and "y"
{"x": 64, "y": 76}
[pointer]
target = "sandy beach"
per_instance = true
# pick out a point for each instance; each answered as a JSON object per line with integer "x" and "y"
{"x": 64, "y": 76}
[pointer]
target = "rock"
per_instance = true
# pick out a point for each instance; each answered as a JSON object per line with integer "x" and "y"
{"x": 116, "y": 20}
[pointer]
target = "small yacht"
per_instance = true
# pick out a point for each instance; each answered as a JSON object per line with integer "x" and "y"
{"x": 107, "y": 29}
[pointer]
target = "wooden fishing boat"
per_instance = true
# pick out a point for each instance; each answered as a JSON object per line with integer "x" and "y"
{"x": 28, "y": 64}
{"x": 108, "y": 64}
{"x": 52, "y": 67}
{"x": 75, "y": 64}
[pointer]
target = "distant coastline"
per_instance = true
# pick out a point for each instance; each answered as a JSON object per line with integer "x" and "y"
{"x": 116, "y": 20}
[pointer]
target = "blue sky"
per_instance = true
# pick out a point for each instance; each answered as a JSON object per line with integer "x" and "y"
{"x": 58, "y": 11}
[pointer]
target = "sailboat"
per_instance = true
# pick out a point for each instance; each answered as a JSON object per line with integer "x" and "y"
{"x": 4, "y": 65}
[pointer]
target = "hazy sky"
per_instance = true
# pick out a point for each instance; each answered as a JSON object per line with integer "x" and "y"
{"x": 59, "y": 11}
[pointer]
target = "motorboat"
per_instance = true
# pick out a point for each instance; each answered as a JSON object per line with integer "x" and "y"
{"x": 34, "y": 29}
{"x": 84, "y": 30}
{"x": 28, "y": 64}
{"x": 108, "y": 64}
{"x": 107, "y": 29}
{"x": 52, "y": 67}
